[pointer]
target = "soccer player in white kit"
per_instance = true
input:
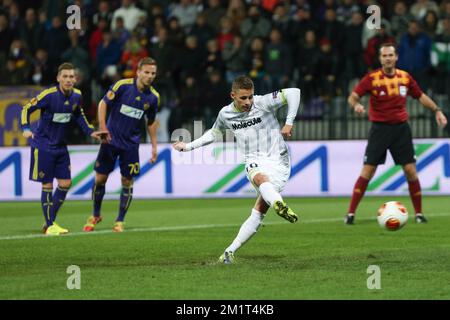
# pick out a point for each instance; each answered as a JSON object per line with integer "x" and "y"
{"x": 253, "y": 122}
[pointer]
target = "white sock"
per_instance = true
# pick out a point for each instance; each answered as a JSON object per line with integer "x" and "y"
{"x": 247, "y": 230}
{"x": 269, "y": 194}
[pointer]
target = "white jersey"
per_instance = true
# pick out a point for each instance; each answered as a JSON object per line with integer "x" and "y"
{"x": 257, "y": 132}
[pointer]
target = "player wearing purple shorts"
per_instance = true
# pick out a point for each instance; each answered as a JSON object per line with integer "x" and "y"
{"x": 128, "y": 101}
{"x": 49, "y": 156}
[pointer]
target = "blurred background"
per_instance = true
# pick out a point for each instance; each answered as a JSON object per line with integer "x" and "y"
{"x": 322, "y": 47}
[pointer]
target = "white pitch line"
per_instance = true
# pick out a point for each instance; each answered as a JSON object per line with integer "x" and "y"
{"x": 188, "y": 227}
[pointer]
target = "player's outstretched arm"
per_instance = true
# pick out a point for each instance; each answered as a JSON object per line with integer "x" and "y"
{"x": 207, "y": 138}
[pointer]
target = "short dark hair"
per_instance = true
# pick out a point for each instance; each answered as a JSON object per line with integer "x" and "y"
{"x": 65, "y": 66}
{"x": 242, "y": 82}
{"x": 388, "y": 44}
{"x": 146, "y": 61}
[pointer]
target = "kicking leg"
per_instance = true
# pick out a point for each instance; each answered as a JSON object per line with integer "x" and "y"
{"x": 273, "y": 197}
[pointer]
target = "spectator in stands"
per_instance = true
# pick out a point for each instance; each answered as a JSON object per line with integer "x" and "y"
{"x": 301, "y": 23}
{"x": 344, "y": 12}
{"x": 237, "y": 12}
{"x": 213, "y": 60}
{"x": 131, "y": 56}
{"x": 414, "y": 53}
{"x": 97, "y": 37}
{"x": 307, "y": 55}
{"x": 234, "y": 57}
{"x": 430, "y": 24}
{"x": 77, "y": 55}
{"x": 278, "y": 61}
{"x": 129, "y": 13}
{"x": 121, "y": 34}
{"x": 103, "y": 12}
{"x": 400, "y": 20}
{"x": 108, "y": 54}
{"x": 256, "y": 65}
{"x": 6, "y": 36}
{"x": 254, "y": 25}
{"x": 176, "y": 34}
{"x": 327, "y": 69}
{"x": 186, "y": 12}
{"x": 190, "y": 59}
{"x": 333, "y": 30}
{"x": 440, "y": 59}
{"x": 55, "y": 42}
{"x": 31, "y": 31}
{"x": 213, "y": 13}
{"x": 282, "y": 21}
{"x": 41, "y": 74}
{"x": 188, "y": 106}
{"x": 353, "y": 49}
{"x": 225, "y": 34}
{"x": 420, "y": 8}
{"x": 214, "y": 95}
{"x": 202, "y": 30}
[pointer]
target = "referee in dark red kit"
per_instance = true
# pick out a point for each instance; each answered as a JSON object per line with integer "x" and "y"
{"x": 389, "y": 88}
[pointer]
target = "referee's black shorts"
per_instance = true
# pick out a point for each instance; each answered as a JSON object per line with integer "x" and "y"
{"x": 397, "y": 138}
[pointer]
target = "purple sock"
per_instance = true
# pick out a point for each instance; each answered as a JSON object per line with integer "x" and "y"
{"x": 58, "y": 199}
{"x": 125, "y": 201}
{"x": 47, "y": 203}
{"x": 98, "y": 191}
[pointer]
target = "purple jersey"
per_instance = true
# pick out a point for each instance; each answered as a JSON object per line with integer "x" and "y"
{"x": 57, "y": 110}
{"x": 127, "y": 107}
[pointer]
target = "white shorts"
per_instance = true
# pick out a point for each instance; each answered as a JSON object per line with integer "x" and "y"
{"x": 277, "y": 170}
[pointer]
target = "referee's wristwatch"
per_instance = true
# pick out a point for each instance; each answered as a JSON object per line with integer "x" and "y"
{"x": 437, "y": 110}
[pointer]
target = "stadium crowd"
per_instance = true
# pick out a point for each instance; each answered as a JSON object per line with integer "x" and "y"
{"x": 322, "y": 47}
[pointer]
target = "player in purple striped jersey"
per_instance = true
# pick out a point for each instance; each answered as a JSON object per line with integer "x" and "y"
{"x": 128, "y": 101}
{"x": 49, "y": 155}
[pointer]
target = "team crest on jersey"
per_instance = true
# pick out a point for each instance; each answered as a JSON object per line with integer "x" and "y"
{"x": 66, "y": 103}
{"x": 110, "y": 95}
{"x": 146, "y": 106}
{"x": 41, "y": 174}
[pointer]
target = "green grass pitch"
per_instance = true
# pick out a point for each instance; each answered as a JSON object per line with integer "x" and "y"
{"x": 170, "y": 249}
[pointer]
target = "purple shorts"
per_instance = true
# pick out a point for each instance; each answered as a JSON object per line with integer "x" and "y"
{"x": 128, "y": 160}
{"x": 45, "y": 165}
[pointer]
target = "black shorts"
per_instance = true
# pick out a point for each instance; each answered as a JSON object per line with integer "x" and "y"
{"x": 397, "y": 138}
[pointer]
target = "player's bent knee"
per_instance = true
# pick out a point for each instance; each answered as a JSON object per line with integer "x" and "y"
{"x": 127, "y": 182}
{"x": 100, "y": 179}
{"x": 260, "y": 178}
{"x": 65, "y": 184}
